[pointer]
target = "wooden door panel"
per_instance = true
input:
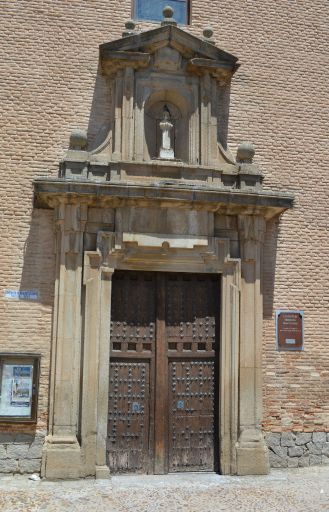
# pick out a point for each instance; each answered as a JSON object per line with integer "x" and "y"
{"x": 192, "y": 303}
{"x": 133, "y": 313}
{"x": 192, "y": 311}
{"x": 192, "y": 439}
{"x": 133, "y": 320}
{"x": 128, "y": 422}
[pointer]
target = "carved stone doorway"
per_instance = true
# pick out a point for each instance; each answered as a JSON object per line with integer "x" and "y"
{"x": 163, "y": 395}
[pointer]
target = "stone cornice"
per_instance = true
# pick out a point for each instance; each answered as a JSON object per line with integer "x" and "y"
{"x": 113, "y": 61}
{"x": 49, "y": 192}
{"x": 220, "y": 69}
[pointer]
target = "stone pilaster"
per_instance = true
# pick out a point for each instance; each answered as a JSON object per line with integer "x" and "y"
{"x": 205, "y": 114}
{"x": 102, "y": 470}
{"x": 118, "y": 91}
{"x": 61, "y": 454}
{"x": 128, "y": 114}
{"x": 94, "y": 403}
{"x": 252, "y": 453}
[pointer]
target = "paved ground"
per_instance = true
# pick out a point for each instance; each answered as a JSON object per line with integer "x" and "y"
{"x": 304, "y": 489}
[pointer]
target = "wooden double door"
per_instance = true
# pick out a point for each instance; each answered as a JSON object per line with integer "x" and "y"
{"x": 163, "y": 395}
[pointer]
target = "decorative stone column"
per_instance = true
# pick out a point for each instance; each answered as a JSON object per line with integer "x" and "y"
{"x": 61, "y": 453}
{"x": 252, "y": 453}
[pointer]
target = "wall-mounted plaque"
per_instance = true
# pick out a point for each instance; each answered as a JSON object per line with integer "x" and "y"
{"x": 19, "y": 376}
{"x": 289, "y": 330}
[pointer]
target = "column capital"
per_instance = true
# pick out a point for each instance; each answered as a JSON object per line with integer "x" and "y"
{"x": 105, "y": 245}
{"x": 71, "y": 216}
{"x": 251, "y": 228}
{"x": 70, "y": 223}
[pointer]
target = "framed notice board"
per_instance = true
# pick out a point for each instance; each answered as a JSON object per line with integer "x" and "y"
{"x": 289, "y": 330}
{"x": 19, "y": 378}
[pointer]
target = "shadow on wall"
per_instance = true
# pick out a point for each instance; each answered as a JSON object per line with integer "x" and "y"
{"x": 100, "y": 122}
{"x": 269, "y": 264}
{"x": 39, "y": 258}
{"x": 224, "y": 98}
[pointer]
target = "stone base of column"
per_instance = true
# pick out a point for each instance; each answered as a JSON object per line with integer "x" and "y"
{"x": 103, "y": 473}
{"x": 252, "y": 454}
{"x": 61, "y": 458}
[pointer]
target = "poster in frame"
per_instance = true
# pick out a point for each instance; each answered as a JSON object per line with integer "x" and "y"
{"x": 19, "y": 378}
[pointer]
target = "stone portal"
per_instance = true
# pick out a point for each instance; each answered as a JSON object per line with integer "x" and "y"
{"x": 195, "y": 210}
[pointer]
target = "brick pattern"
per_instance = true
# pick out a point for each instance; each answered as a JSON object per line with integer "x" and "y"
{"x": 279, "y": 98}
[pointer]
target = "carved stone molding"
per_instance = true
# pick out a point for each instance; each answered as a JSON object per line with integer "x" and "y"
{"x": 116, "y": 193}
{"x": 220, "y": 70}
{"x": 113, "y": 61}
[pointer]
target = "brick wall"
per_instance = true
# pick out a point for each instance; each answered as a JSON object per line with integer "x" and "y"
{"x": 279, "y": 100}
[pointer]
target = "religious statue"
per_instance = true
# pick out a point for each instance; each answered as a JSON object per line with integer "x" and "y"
{"x": 166, "y": 151}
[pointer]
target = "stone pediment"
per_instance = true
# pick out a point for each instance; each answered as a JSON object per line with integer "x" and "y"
{"x": 136, "y": 50}
{"x": 150, "y": 40}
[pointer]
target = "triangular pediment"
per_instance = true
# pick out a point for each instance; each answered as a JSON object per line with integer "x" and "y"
{"x": 188, "y": 45}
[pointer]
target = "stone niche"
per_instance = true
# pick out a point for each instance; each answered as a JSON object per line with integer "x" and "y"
{"x": 162, "y": 192}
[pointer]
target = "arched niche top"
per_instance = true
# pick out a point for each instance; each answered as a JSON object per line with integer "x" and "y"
{"x": 155, "y": 111}
{"x": 168, "y": 96}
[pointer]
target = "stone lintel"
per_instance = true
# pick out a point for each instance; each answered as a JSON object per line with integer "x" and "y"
{"x": 48, "y": 191}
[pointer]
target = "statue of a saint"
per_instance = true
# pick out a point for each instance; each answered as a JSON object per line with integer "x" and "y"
{"x": 166, "y": 151}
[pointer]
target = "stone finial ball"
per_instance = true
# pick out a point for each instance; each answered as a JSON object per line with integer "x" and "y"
{"x": 78, "y": 139}
{"x": 130, "y": 25}
{"x": 208, "y": 32}
{"x": 245, "y": 152}
{"x": 168, "y": 12}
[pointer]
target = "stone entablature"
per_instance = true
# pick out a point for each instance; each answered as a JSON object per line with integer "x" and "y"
{"x": 49, "y": 192}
